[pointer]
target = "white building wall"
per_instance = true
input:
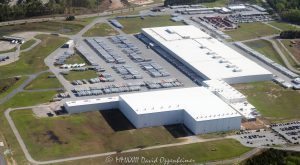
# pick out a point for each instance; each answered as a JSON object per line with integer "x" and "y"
{"x": 92, "y": 107}
{"x": 130, "y": 114}
{"x": 247, "y": 79}
{"x": 160, "y": 118}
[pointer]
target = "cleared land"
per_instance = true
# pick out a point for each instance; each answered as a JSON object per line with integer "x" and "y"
{"x": 101, "y": 29}
{"x": 266, "y": 48}
{"x": 217, "y": 3}
{"x": 200, "y": 152}
{"x": 9, "y": 84}
{"x": 20, "y": 100}
{"x": 33, "y": 61}
{"x": 44, "y": 82}
{"x": 79, "y": 75}
{"x": 85, "y": 133}
{"x": 293, "y": 48}
{"x": 27, "y": 44}
{"x": 248, "y": 31}
{"x": 134, "y": 25}
{"x": 272, "y": 101}
{"x": 284, "y": 25}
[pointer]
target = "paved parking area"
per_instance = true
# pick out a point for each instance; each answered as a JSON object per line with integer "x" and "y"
{"x": 144, "y": 78}
{"x": 255, "y": 138}
{"x": 290, "y": 131}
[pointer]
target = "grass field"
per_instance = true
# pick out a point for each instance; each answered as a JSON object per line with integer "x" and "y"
{"x": 27, "y": 44}
{"x": 292, "y": 48}
{"x": 10, "y": 50}
{"x": 76, "y": 59}
{"x": 134, "y": 25}
{"x": 284, "y": 26}
{"x": 83, "y": 134}
{"x": 274, "y": 102}
{"x": 33, "y": 61}
{"x": 20, "y": 100}
{"x": 43, "y": 82}
{"x": 290, "y": 59}
{"x": 248, "y": 31}
{"x": 199, "y": 152}
{"x": 7, "y": 85}
{"x": 74, "y": 75}
{"x": 217, "y": 3}
{"x": 266, "y": 48}
{"x": 62, "y": 27}
{"x": 101, "y": 29}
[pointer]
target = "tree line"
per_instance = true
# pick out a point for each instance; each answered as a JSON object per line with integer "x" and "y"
{"x": 185, "y": 2}
{"x": 31, "y": 8}
{"x": 291, "y": 34}
{"x": 288, "y": 9}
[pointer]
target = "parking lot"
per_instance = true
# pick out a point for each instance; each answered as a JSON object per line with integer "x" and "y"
{"x": 262, "y": 137}
{"x": 127, "y": 66}
{"x": 290, "y": 131}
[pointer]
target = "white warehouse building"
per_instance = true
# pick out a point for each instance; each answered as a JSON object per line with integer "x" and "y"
{"x": 197, "y": 108}
{"x": 206, "y": 56}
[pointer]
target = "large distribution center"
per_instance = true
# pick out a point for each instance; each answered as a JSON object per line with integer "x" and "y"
{"x": 199, "y": 109}
{"x": 206, "y": 56}
{"x": 215, "y": 107}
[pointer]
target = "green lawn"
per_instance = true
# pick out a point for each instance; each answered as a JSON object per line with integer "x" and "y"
{"x": 77, "y": 75}
{"x": 101, "y": 29}
{"x": 274, "y": 102}
{"x": 266, "y": 48}
{"x": 295, "y": 50}
{"x": 7, "y": 85}
{"x": 33, "y": 61}
{"x": 290, "y": 59}
{"x": 83, "y": 134}
{"x": 283, "y": 25}
{"x": 27, "y": 44}
{"x": 217, "y": 3}
{"x": 199, "y": 152}
{"x": 20, "y": 100}
{"x": 10, "y": 50}
{"x": 43, "y": 82}
{"x": 248, "y": 31}
{"x": 76, "y": 59}
{"x": 134, "y": 25}
{"x": 64, "y": 27}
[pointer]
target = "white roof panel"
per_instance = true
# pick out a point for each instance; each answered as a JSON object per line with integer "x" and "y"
{"x": 198, "y": 102}
{"x": 193, "y": 49}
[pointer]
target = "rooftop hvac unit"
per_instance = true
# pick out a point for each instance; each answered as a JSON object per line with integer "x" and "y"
{"x": 216, "y": 56}
{"x": 171, "y": 31}
{"x": 186, "y": 37}
{"x": 223, "y": 61}
{"x": 230, "y": 66}
{"x": 237, "y": 70}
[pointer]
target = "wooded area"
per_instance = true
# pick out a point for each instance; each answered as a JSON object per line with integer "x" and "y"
{"x": 31, "y": 8}
{"x": 288, "y": 9}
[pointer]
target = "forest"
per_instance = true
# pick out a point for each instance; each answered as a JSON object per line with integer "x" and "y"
{"x": 289, "y": 10}
{"x": 32, "y": 8}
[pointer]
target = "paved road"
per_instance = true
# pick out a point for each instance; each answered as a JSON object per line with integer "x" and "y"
{"x": 283, "y": 57}
{"x": 2, "y": 161}
{"x": 51, "y": 18}
{"x": 21, "y": 87}
{"x": 188, "y": 141}
{"x": 289, "y": 53}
